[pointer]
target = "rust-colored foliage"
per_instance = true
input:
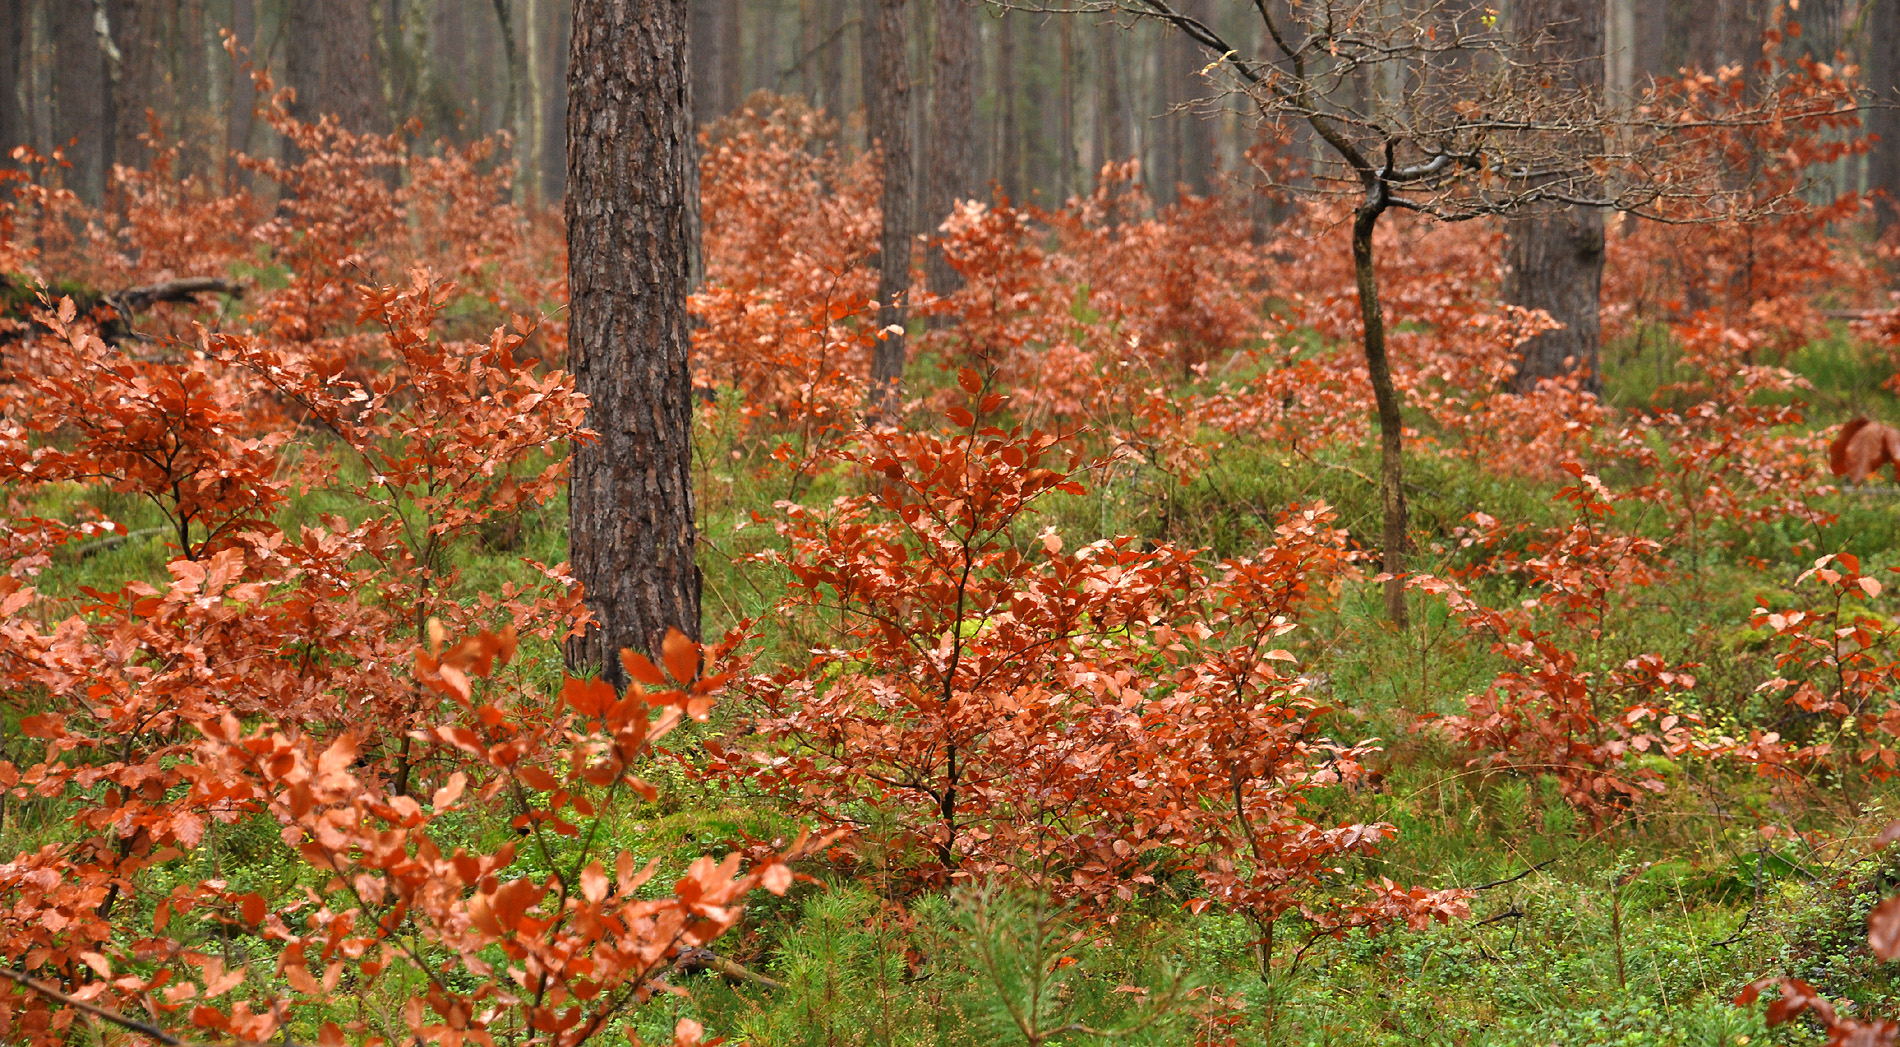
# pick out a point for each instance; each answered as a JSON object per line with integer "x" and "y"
{"x": 1087, "y": 719}
{"x": 1862, "y": 448}
{"x": 301, "y": 674}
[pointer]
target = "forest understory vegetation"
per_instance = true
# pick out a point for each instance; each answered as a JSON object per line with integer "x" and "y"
{"x": 1064, "y": 710}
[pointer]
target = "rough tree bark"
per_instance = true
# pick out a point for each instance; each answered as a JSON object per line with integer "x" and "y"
{"x": 886, "y": 77}
{"x": 1554, "y": 254}
{"x": 952, "y": 122}
{"x": 631, "y": 493}
{"x": 330, "y": 59}
{"x": 1883, "y": 78}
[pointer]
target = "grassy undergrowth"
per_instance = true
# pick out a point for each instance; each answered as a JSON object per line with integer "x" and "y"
{"x": 1639, "y": 932}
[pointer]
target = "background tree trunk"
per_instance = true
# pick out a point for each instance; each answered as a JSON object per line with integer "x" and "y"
{"x": 952, "y": 122}
{"x": 13, "y": 53}
{"x": 886, "y": 79}
{"x": 80, "y": 99}
{"x": 1111, "y": 117}
{"x": 137, "y": 27}
{"x": 1883, "y": 78}
{"x": 1554, "y": 254}
{"x": 716, "y": 59}
{"x": 1009, "y": 143}
{"x": 630, "y": 502}
{"x": 330, "y": 58}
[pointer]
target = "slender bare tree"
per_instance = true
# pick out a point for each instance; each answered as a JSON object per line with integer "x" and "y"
{"x": 1517, "y": 125}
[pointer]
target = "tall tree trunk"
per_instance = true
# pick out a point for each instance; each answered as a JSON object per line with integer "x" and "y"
{"x": 1009, "y": 146}
{"x": 1554, "y": 254}
{"x": 511, "y": 55}
{"x": 631, "y": 493}
{"x": 717, "y": 63}
{"x": 830, "y": 56}
{"x": 1065, "y": 113}
{"x": 1199, "y": 161}
{"x": 886, "y": 77}
{"x": 1172, "y": 62}
{"x": 13, "y": 55}
{"x": 1111, "y": 118}
{"x": 81, "y": 112}
{"x": 330, "y": 55}
{"x": 1883, "y": 78}
{"x": 558, "y": 19}
{"x": 241, "y": 99}
{"x": 136, "y": 28}
{"x": 529, "y": 151}
{"x": 952, "y": 122}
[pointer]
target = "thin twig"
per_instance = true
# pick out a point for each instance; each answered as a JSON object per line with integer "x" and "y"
{"x": 22, "y": 979}
{"x": 1513, "y": 879}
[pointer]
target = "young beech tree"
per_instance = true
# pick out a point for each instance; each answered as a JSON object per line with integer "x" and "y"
{"x": 1458, "y": 119}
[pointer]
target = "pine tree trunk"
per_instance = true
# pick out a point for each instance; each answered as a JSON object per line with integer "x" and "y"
{"x": 1883, "y": 78}
{"x": 631, "y": 493}
{"x": 511, "y": 57}
{"x": 13, "y": 56}
{"x": 831, "y": 56}
{"x": 81, "y": 98}
{"x": 1065, "y": 110}
{"x": 952, "y": 122}
{"x": 137, "y": 27}
{"x": 1111, "y": 120}
{"x": 886, "y": 77}
{"x": 1554, "y": 254}
{"x": 557, "y": 17}
{"x": 330, "y": 58}
{"x": 241, "y": 95}
{"x": 1009, "y": 146}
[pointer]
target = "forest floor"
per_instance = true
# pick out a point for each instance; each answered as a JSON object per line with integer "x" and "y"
{"x": 1639, "y": 930}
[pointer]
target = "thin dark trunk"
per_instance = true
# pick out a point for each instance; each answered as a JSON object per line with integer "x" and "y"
{"x": 631, "y": 492}
{"x": 952, "y": 121}
{"x": 1391, "y": 431}
{"x": 886, "y": 78}
{"x": 1554, "y": 255}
